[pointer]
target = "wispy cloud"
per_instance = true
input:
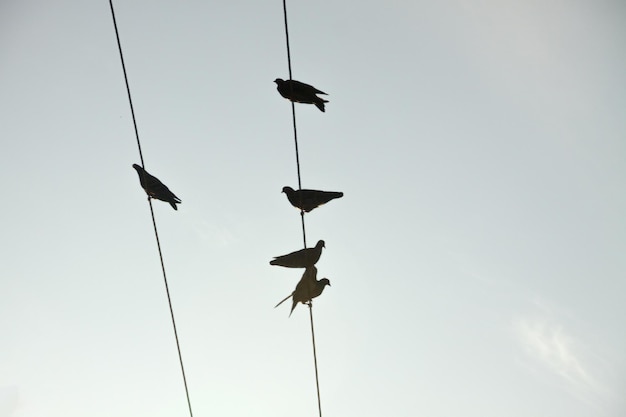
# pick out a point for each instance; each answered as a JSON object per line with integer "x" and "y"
{"x": 547, "y": 341}
{"x": 550, "y": 343}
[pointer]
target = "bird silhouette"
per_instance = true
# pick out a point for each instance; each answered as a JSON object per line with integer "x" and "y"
{"x": 302, "y": 258}
{"x": 307, "y": 200}
{"x": 308, "y": 288}
{"x": 300, "y": 92}
{"x": 155, "y": 188}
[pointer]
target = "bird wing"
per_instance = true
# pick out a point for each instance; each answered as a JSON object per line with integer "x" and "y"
{"x": 306, "y": 88}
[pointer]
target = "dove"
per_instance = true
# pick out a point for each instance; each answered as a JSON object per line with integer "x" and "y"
{"x": 307, "y": 200}
{"x": 300, "y": 92}
{"x": 155, "y": 188}
{"x": 302, "y": 258}
{"x": 308, "y": 288}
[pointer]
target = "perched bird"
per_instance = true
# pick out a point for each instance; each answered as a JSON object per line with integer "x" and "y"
{"x": 302, "y": 258}
{"x": 307, "y": 200}
{"x": 155, "y": 188}
{"x": 307, "y": 289}
{"x": 300, "y": 92}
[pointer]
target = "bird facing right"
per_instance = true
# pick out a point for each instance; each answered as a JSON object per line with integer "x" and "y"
{"x": 308, "y": 288}
{"x": 302, "y": 258}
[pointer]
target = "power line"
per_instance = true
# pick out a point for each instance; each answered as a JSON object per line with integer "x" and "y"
{"x": 156, "y": 232}
{"x": 295, "y": 138}
{"x": 293, "y": 114}
{"x": 317, "y": 382}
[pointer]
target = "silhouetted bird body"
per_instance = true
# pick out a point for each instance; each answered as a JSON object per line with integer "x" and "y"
{"x": 307, "y": 200}
{"x": 308, "y": 288}
{"x": 302, "y": 258}
{"x": 300, "y": 92}
{"x": 155, "y": 188}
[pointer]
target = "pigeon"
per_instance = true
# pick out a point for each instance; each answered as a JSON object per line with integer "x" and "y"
{"x": 155, "y": 188}
{"x": 300, "y": 92}
{"x": 307, "y": 289}
{"x": 302, "y": 258}
{"x": 307, "y": 200}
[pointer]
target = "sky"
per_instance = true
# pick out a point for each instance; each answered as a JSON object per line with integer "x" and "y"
{"x": 476, "y": 259}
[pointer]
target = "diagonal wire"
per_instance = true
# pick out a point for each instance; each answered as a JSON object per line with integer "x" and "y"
{"x": 295, "y": 137}
{"x": 293, "y": 114}
{"x": 317, "y": 381}
{"x": 156, "y": 233}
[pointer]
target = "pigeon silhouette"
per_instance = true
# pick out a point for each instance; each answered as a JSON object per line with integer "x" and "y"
{"x": 308, "y": 288}
{"x": 300, "y": 92}
{"x": 307, "y": 200}
{"x": 302, "y": 258}
{"x": 155, "y": 188}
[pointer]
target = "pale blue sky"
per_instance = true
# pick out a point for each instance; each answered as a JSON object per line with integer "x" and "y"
{"x": 477, "y": 258}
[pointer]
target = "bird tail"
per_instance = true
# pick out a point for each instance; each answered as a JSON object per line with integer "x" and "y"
{"x": 293, "y": 306}
{"x": 285, "y": 299}
{"x": 319, "y": 103}
{"x": 173, "y": 204}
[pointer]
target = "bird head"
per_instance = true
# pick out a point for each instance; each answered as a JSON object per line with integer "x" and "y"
{"x": 137, "y": 167}
{"x": 279, "y": 80}
{"x": 324, "y": 281}
{"x": 320, "y": 244}
{"x": 287, "y": 189}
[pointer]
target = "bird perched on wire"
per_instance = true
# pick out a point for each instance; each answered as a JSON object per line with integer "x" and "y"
{"x": 155, "y": 188}
{"x": 300, "y": 92}
{"x": 307, "y": 200}
{"x": 302, "y": 258}
{"x": 308, "y": 288}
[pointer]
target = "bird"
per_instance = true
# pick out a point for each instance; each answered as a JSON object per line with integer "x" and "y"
{"x": 307, "y": 200}
{"x": 302, "y": 258}
{"x": 300, "y": 92}
{"x": 155, "y": 188}
{"x": 308, "y": 288}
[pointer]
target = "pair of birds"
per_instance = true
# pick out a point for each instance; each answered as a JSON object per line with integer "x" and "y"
{"x": 309, "y": 286}
{"x": 305, "y": 200}
{"x": 299, "y": 92}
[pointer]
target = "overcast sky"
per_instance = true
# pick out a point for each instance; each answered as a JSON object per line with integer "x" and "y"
{"x": 476, "y": 260}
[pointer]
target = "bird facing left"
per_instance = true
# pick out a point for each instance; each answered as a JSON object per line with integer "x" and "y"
{"x": 155, "y": 188}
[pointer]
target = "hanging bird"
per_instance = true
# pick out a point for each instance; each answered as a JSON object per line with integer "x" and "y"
{"x": 308, "y": 288}
{"x": 307, "y": 200}
{"x": 302, "y": 258}
{"x": 155, "y": 188}
{"x": 300, "y": 92}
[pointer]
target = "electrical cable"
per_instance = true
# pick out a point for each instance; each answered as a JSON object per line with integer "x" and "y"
{"x": 156, "y": 233}
{"x": 295, "y": 137}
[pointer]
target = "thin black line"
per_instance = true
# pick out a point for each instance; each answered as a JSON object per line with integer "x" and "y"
{"x": 287, "y": 37}
{"x": 293, "y": 113}
{"x": 317, "y": 380}
{"x": 130, "y": 100}
{"x": 295, "y": 140}
{"x": 169, "y": 301}
{"x": 156, "y": 232}
{"x": 295, "y": 137}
